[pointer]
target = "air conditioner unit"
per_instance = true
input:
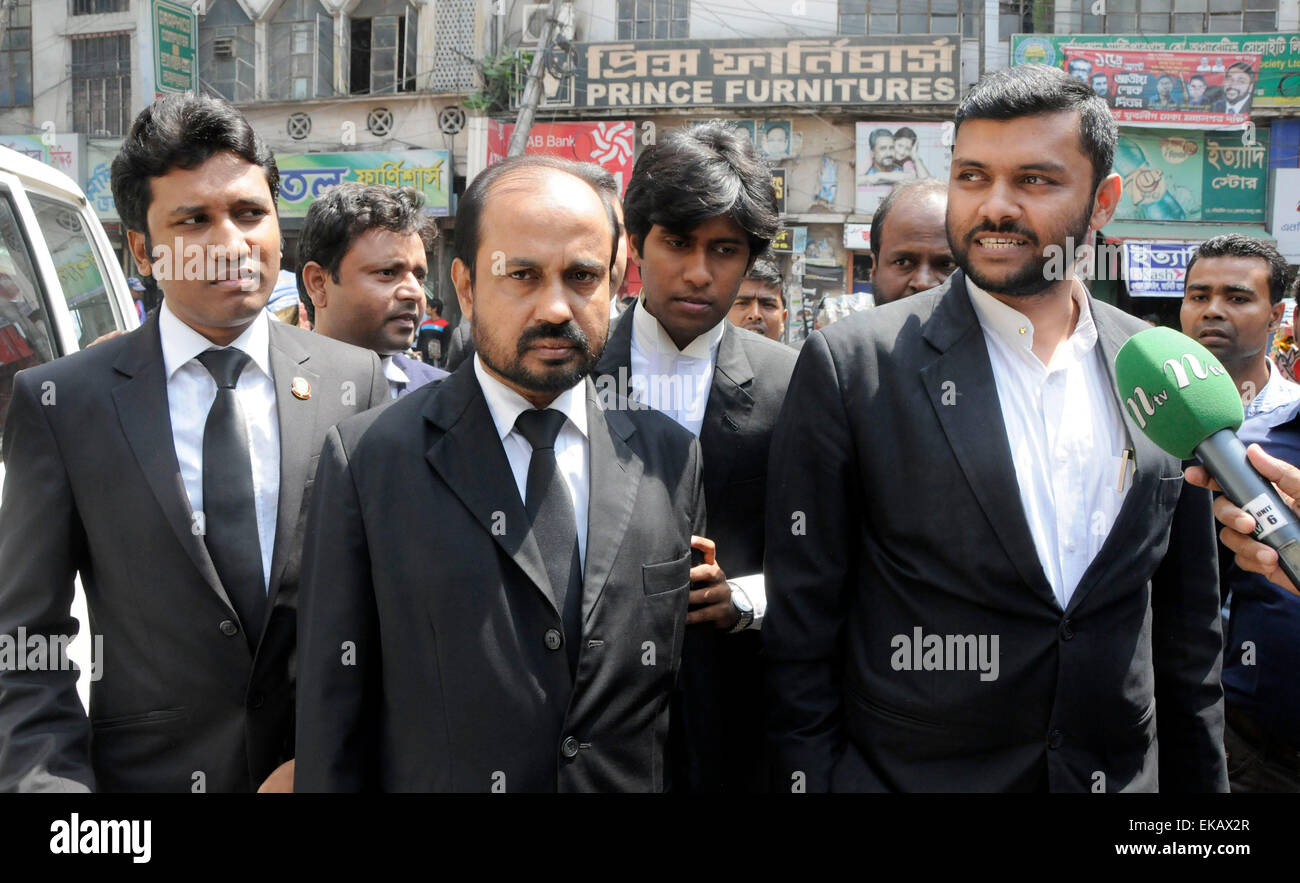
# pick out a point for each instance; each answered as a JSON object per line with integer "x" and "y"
{"x": 535, "y": 18}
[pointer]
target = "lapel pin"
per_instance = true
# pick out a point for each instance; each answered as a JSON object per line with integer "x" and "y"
{"x": 300, "y": 388}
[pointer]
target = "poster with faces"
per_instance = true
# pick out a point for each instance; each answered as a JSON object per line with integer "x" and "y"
{"x": 889, "y": 153}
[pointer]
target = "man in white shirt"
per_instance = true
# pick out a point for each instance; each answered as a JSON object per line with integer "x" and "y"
{"x": 362, "y": 262}
{"x": 538, "y": 655}
{"x": 700, "y": 209}
{"x": 982, "y": 575}
{"x": 170, "y": 467}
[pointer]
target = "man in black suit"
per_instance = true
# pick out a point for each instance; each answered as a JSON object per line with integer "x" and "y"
{"x": 972, "y": 588}
{"x": 363, "y": 258}
{"x": 700, "y": 208}
{"x": 171, "y": 467}
{"x": 540, "y": 654}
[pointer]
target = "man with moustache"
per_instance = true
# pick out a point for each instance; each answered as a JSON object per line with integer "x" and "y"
{"x": 760, "y": 303}
{"x": 1232, "y": 302}
{"x": 363, "y": 260}
{"x": 171, "y": 468}
{"x": 1238, "y": 89}
{"x": 540, "y": 654}
{"x": 909, "y": 245}
{"x": 970, "y": 588}
{"x": 700, "y": 208}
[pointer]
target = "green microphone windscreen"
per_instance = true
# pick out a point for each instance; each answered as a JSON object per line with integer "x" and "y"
{"x": 1175, "y": 390}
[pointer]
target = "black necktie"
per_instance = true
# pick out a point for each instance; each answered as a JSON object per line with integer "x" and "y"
{"x": 556, "y": 529}
{"x": 229, "y": 513}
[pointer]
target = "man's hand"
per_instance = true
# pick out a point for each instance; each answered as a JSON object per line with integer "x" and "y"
{"x": 712, "y": 590}
{"x": 280, "y": 781}
{"x": 1253, "y": 555}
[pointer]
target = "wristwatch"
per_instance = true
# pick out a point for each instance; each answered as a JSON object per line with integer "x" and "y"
{"x": 741, "y": 602}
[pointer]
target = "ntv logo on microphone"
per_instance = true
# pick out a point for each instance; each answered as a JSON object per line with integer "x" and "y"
{"x": 1145, "y": 406}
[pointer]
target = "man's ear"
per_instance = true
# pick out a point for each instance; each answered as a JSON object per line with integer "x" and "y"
{"x": 313, "y": 279}
{"x": 464, "y": 290}
{"x": 1106, "y": 201}
{"x": 1276, "y": 313}
{"x": 634, "y": 248}
{"x": 139, "y": 253}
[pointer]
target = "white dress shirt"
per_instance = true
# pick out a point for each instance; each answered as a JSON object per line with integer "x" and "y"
{"x": 1066, "y": 434}
{"x": 1278, "y": 393}
{"x": 190, "y": 394}
{"x": 571, "y": 447}
{"x": 395, "y": 376}
{"x": 670, "y": 380}
{"x": 678, "y": 382}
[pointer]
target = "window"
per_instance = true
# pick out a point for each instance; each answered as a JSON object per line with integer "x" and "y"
{"x": 1182, "y": 17}
{"x": 383, "y": 48}
{"x": 227, "y": 52}
{"x": 902, "y": 17}
{"x": 25, "y": 338}
{"x": 302, "y": 51}
{"x": 77, "y": 262}
{"x": 101, "y": 85}
{"x": 654, "y": 19}
{"x": 16, "y": 54}
{"x": 93, "y": 7}
{"x": 1027, "y": 17}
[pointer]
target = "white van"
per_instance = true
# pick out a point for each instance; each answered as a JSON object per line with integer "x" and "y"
{"x": 60, "y": 289}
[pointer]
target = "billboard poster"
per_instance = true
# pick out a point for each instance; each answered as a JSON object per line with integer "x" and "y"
{"x": 1168, "y": 88}
{"x": 304, "y": 177}
{"x": 1277, "y": 83}
{"x": 608, "y": 144}
{"x": 890, "y": 153}
{"x": 1156, "y": 268}
{"x": 1192, "y": 176}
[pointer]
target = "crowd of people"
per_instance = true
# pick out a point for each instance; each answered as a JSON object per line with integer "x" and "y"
{"x": 643, "y": 547}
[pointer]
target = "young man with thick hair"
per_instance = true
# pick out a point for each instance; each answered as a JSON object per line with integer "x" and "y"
{"x": 972, "y": 588}
{"x": 362, "y": 262}
{"x": 170, "y": 467}
{"x": 700, "y": 209}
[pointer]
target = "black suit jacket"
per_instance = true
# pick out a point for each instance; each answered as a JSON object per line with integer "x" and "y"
{"x": 92, "y": 486}
{"x": 455, "y": 678}
{"x": 721, "y": 733}
{"x": 895, "y": 507}
{"x": 460, "y": 347}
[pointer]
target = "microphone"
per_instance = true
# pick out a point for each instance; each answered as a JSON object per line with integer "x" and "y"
{"x": 1185, "y": 401}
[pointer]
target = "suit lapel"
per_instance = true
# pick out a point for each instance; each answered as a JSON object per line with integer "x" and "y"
{"x": 974, "y": 428}
{"x": 618, "y": 348}
{"x": 614, "y": 472}
{"x": 143, "y": 411}
{"x": 297, "y": 419}
{"x": 729, "y": 408}
{"x": 1148, "y": 457}
{"x": 472, "y": 462}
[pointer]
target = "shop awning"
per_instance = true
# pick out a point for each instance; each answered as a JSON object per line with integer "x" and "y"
{"x": 1185, "y": 232}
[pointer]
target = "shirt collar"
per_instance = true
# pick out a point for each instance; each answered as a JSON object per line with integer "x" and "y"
{"x": 506, "y": 405}
{"x": 1278, "y": 392}
{"x": 650, "y": 337}
{"x": 392, "y": 371}
{"x": 1014, "y": 329}
{"x": 181, "y": 343}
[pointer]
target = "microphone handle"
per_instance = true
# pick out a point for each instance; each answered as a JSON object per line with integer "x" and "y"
{"x": 1224, "y": 457}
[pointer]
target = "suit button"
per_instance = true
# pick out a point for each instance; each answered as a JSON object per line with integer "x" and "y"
{"x": 1054, "y": 739}
{"x": 228, "y": 628}
{"x": 553, "y": 639}
{"x": 256, "y": 700}
{"x": 569, "y": 747}
{"x": 1067, "y": 633}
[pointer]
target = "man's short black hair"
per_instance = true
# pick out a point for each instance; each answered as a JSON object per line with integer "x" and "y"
{"x": 1168, "y": 77}
{"x": 476, "y": 194}
{"x": 1239, "y": 245}
{"x": 436, "y": 304}
{"x": 1034, "y": 89}
{"x": 181, "y": 131}
{"x": 700, "y": 172}
{"x": 1242, "y": 66}
{"x": 905, "y": 132}
{"x": 1196, "y": 77}
{"x": 875, "y": 136}
{"x": 349, "y": 210}
{"x": 766, "y": 272}
{"x": 904, "y": 190}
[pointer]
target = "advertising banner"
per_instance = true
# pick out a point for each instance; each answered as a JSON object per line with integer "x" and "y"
{"x": 891, "y": 152}
{"x": 608, "y": 144}
{"x": 304, "y": 177}
{"x": 1156, "y": 268}
{"x": 1192, "y": 176}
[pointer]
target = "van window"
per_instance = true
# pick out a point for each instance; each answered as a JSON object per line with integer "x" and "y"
{"x": 77, "y": 262}
{"x": 25, "y": 338}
